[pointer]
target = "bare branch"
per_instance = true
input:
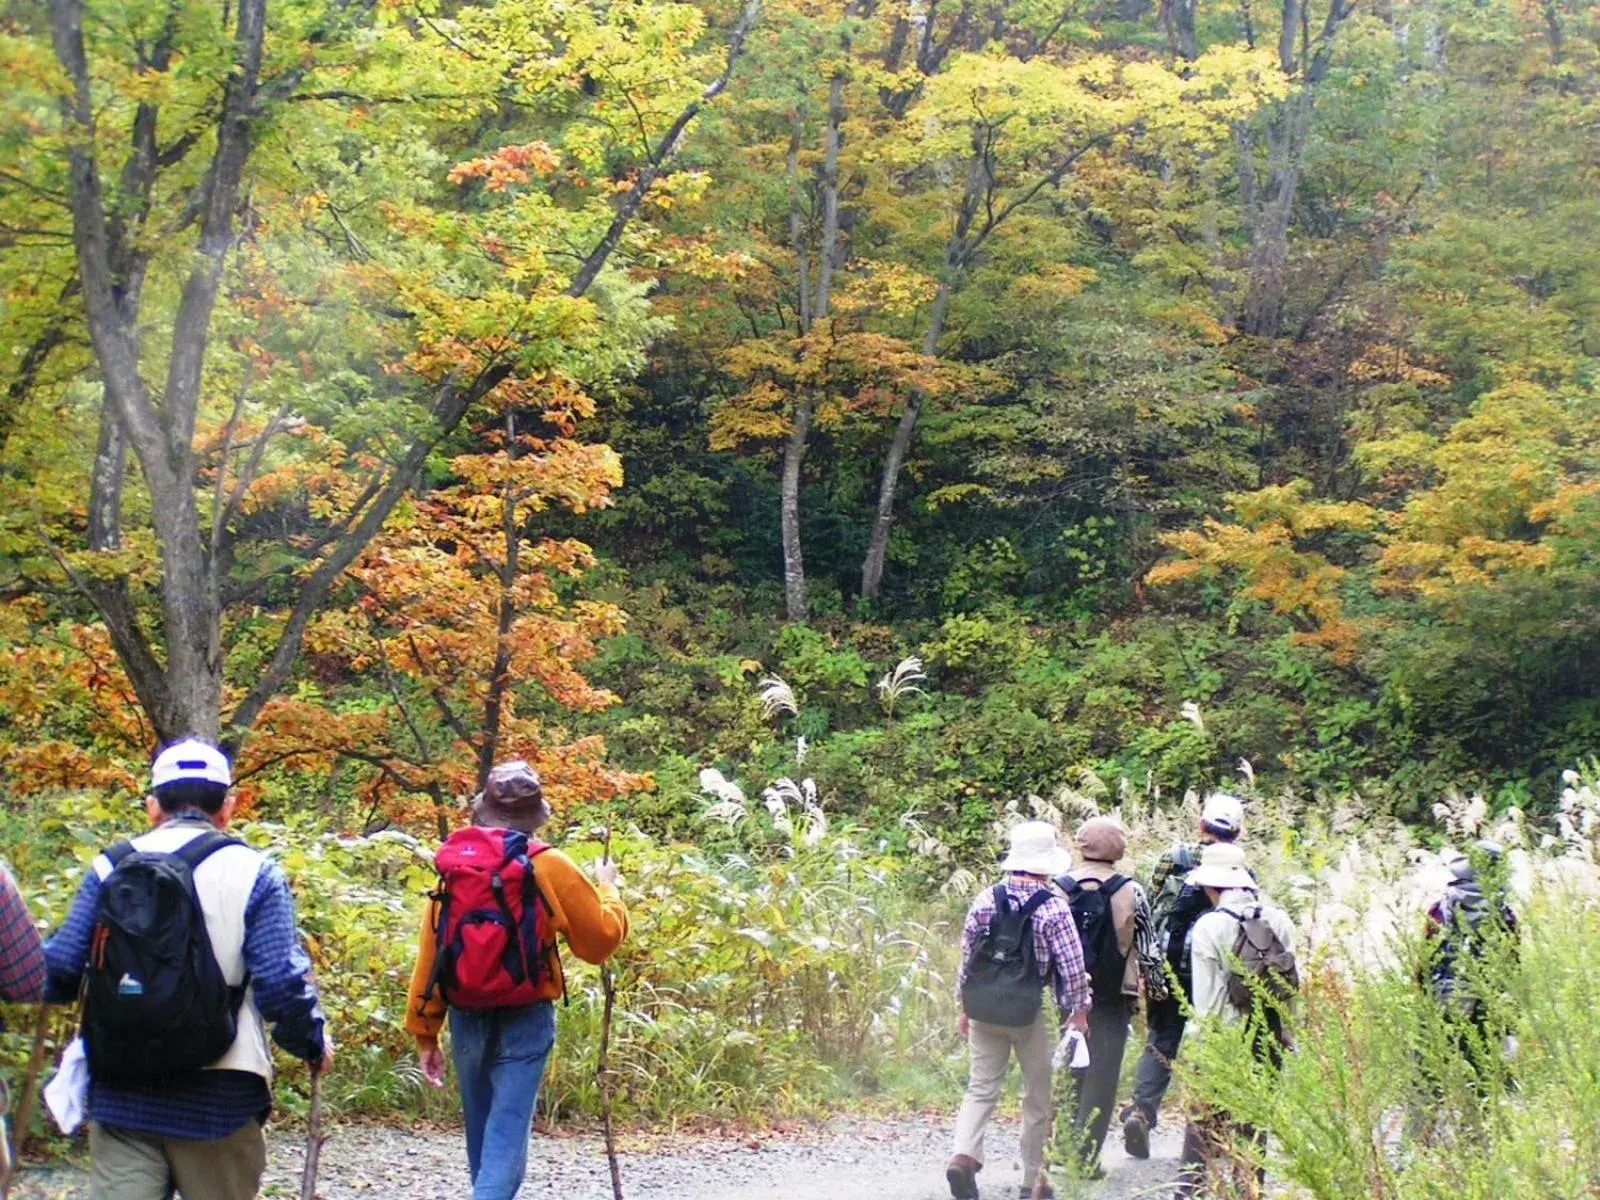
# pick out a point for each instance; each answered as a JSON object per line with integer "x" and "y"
{"x": 665, "y": 151}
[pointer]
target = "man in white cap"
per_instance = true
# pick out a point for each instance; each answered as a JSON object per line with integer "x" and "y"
{"x": 1217, "y": 955}
{"x": 179, "y": 1065}
{"x": 1019, "y": 936}
{"x": 1175, "y": 906}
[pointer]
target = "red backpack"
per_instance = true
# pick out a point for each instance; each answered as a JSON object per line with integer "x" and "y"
{"x": 493, "y": 937}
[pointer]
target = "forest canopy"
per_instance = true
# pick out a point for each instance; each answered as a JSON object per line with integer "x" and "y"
{"x": 386, "y": 387}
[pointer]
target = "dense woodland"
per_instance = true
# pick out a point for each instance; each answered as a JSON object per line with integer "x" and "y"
{"x": 390, "y": 385}
{"x": 805, "y": 430}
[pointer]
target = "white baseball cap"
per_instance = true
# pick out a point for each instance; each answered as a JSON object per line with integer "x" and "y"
{"x": 1223, "y": 814}
{"x": 191, "y": 759}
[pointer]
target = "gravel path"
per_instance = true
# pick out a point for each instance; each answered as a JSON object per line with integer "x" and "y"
{"x": 857, "y": 1157}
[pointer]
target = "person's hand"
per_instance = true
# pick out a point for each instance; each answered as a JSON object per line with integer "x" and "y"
{"x": 432, "y": 1062}
{"x": 1080, "y": 1021}
{"x": 324, "y": 1064}
{"x": 606, "y": 872}
{"x": 963, "y": 1026}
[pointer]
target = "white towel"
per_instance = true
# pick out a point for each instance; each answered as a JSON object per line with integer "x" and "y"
{"x": 1073, "y": 1052}
{"x": 67, "y": 1095}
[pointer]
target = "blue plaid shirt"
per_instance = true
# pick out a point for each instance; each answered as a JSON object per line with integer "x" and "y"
{"x": 21, "y": 956}
{"x": 206, "y": 1105}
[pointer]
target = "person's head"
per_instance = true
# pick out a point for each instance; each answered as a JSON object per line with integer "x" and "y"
{"x": 1102, "y": 840}
{"x": 1222, "y": 869}
{"x": 512, "y": 798}
{"x": 1035, "y": 851}
{"x": 190, "y": 775}
{"x": 1483, "y": 864}
{"x": 1221, "y": 818}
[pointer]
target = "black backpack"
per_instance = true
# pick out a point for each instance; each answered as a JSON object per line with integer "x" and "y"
{"x": 1004, "y": 985}
{"x": 1097, "y": 932}
{"x": 155, "y": 1001}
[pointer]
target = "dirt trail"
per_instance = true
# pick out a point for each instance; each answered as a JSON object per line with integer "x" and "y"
{"x": 850, "y": 1158}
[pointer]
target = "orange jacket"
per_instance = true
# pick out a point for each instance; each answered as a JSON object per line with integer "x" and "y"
{"x": 591, "y": 917}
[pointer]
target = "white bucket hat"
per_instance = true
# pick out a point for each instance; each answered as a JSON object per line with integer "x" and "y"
{"x": 1222, "y": 866}
{"x": 190, "y": 759}
{"x": 1035, "y": 851}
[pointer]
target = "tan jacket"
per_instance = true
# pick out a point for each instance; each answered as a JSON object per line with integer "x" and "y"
{"x": 1124, "y": 907}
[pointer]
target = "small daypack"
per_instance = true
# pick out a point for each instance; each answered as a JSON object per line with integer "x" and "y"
{"x": 494, "y": 934}
{"x": 1171, "y": 878}
{"x": 1260, "y": 961}
{"x": 1097, "y": 931}
{"x": 1004, "y": 985}
{"x": 1464, "y": 919}
{"x": 155, "y": 1001}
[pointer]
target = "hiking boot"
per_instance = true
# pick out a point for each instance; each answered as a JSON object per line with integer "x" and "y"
{"x": 1136, "y": 1133}
{"x": 962, "y": 1174}
{"x": 1026, "y": 1193}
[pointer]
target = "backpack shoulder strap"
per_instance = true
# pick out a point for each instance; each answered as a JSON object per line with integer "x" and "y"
{"x": 1002, "y": 899}
{"x": 1069, "y": 885}
{"x": 117, "y": 853}
{"x": 1035, "y": 902}
{"x": 196, "y": 850}
{"x": 1115, "y": 884}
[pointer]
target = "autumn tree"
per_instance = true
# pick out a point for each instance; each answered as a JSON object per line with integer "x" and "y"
{"x": 288, "y": 307}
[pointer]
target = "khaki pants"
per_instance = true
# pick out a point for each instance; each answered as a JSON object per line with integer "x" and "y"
{"x": 991, "y": 1047}
{"x": 142, "y": 1166}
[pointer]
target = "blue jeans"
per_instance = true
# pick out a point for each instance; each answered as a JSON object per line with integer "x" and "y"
{"x": 500, "y": 1056}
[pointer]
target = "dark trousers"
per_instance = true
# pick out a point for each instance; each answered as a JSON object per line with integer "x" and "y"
{"x": 1097, "y": 1087}
{"x": 1208, "y": 1156}
{"x": 1166, "y": 1022}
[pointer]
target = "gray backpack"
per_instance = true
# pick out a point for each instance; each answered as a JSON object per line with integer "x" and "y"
{"x": 1260, "y": 963}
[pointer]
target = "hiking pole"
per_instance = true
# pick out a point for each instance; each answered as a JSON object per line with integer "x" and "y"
{"x": 314, "y": 1139}
{"x": 30, "y": 1096}
{"x": 608, "y": 985}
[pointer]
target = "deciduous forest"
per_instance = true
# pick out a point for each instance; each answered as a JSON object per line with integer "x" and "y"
{"x": 812, "y": 433}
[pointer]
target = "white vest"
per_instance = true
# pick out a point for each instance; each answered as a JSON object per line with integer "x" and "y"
{"x": 224, "y": 882}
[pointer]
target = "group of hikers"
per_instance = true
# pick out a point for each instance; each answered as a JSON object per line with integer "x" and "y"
{"x": 1203, "y": 945}
{"x": 182, "y": 947}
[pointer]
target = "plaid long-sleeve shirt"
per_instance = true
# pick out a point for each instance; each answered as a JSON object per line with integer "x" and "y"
{"x": 22, "y": 971}
{"x": 1055, "y": 942}
{"x": 206, "y": 1105}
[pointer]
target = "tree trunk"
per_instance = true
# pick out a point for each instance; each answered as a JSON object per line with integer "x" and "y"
{"x": 899, "y": 447}
{"x": 794, "y": 567}
{"x": 500, "y": 673}
{"x": 796, "y": 603}
{"x": 1273, "y": 208}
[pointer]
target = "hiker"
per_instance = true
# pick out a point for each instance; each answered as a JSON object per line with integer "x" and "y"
{"x": 1242, "y": 956}
{"x": 1019, "y": 936}
{"x": 1174, "y": 909}
{"x": 488, "y": 958}
{"x": 1113, "y": 920}
{"x": 1461, "y": 925}
{"x": 22, "y": 972}
{"x": 185, "y": 945}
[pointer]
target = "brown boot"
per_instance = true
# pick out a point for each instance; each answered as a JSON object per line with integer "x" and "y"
{"x": 962, "y": 1174}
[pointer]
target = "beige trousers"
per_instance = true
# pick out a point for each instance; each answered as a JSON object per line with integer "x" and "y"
{"x": 142, "y": 1166}
{"x": 991, "y": 1047}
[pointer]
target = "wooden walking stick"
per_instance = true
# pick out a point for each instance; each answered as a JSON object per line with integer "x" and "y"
{"x": 608, "y": 985}
{"x": 30, "y": 1096}
{"x": 314, "y": 1139}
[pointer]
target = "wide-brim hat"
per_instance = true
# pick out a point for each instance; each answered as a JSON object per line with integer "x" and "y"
{"x": 512, "y": 798}
{"x": 1035, "y": 850}
{"x": 1222, "y": 866}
